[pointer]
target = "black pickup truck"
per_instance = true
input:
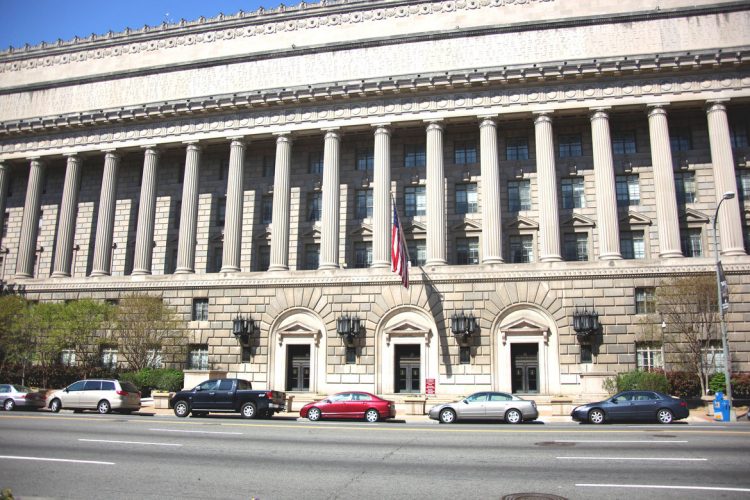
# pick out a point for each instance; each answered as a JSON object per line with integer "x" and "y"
{"x": 227, "y": 395}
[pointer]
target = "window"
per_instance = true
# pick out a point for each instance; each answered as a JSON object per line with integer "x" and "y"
{"x": 414, "y": 156}
{"x": 464, "y": 355}
{"x": 221, "y": 210}
{"x": 519, "y": 195}
{"x": 587, "y": 354}
{"x": 415, "y": 201}
{"x": 628, "y": 190}
{"x": 363, "y": 203}
{"x": 417, "y": 252}
{"x": 573, "y": 195}
{"x": 247, "y": 353}
{"x": 314, "y": 206}
{"x": 648, "y": 356}
{"x": 645, "y": 300}
{"x": 713, "y": 357}
{"x": 223, "y": 169}
{"x": 576, "y": 246}
{"x": 198, "y": 357}
{"x": 264, "y": 258}
{"x": 522, "y": 249}
{"x": 690, "y": 239}
{"x": 466, "y": 199}
{"x": 464, "y": 153}
{"x": 266, "y": 214}
{"x": 68, "y": 357}
{"x": 109, "y": 357}
{"x": 467, "y": 251}
{"x": 632, "y": 245}
{"x": 172, "y": 262}
{"x": 154, "y": 358}
{"x": 269, "y": 165}
{"x": 738, "y": 135}
{"x": 315, "y": 163}
{"x": 200, "y": 309}
{"x": 365, "y": 160}
{"x": 351, "y": 356}
{"x": 217, "y": 256}
{"x": 180, "y": 172}
{"x": 176, "y": 214}
{"x": 312, "y": 256}
{"x": 362, "y": 254}
{"x": 743, "y": 186}
{"x": 517, "y": 148}
{"x": 685, "y": 187}
{"x": 680, "y": 139}
{"x": 569, "y": 145}
{"x": 623, "y": 142}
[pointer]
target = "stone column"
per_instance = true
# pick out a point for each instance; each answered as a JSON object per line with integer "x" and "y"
{"x": 281, "y": 197}
{"x": 729, "y": 224}
{"x": 435, "y": 196}
{"x": 106, "y": 220}
{"x": 549, "y": 212}
{"x": 667, "y": 220}
{"x": 4, "y": 181}
{"x": 604, "y": 182}
{"x": 189, "y": 212}
{"x": 382, "y": 209}
{"x": 66, "y": 225}
{"x": 230, "y": 262}
{"x": 492, "y": 236}
{"x": 329, "y": 238}
{"x": 144, "y": 237}
{"x": 30, "y": 222}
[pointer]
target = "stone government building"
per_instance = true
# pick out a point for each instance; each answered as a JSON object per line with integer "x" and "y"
{"x": 546, "y": 157}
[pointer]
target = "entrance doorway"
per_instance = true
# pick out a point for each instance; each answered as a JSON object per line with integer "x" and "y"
{"x": 407, "y": 362}
{"x": 525, "y": 366}
{"x": 298, "y": 368}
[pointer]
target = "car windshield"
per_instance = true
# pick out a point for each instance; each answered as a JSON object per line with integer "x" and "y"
{"x": 21, "y": 388}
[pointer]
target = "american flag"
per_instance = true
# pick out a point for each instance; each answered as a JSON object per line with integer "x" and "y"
{"x": 399, "y": 255}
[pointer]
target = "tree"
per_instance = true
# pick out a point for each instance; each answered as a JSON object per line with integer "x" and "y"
{"x": 80, "y": 322}
{"x": 144, "y": 325}
{"x": 12, "y": 347}
{"x": 41, "y": 326}
{"x": 689, "y": 308}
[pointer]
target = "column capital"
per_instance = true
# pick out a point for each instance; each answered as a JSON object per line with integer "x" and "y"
{"x": 382, "y": 128}
{"x": 544, "y": 116}
{"x": 72, "y": 154}
{"x": 284, "y": 137}
{"x": 333, "y": 132}
{"x": 3, "y": 166}
{"x": 436, "y": 124}
{"x": 487, "y": 120}
{"x": 716, "y": 105}
{"x": 194, "y": 145}
{"x": 657, "y": 108}
{"x": 599, "y": 113}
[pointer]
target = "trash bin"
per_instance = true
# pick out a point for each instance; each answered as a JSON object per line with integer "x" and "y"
{"x": 721, "y": 408}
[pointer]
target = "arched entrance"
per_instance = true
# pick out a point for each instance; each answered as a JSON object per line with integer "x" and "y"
{"x": 297, "y": 352}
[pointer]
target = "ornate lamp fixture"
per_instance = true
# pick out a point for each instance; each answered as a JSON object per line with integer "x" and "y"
{"x": 586, "y": 324}
{"x": 463, "y": 325}
{"x": 349, "y": 327}
{"x": 242, "y": 328}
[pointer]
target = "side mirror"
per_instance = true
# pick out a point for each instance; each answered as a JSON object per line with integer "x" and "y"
{"x": 465, "y": 401}
{"x": 66, "y": 390}
{"x": 327, "y": 401}
{"x": 614, "y": 401}
{"x": 197, "y": 388}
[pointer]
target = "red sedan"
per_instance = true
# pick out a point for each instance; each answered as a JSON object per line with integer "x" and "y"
{"x": 350, "y": 405}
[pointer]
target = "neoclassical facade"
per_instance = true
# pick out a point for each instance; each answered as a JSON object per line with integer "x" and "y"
{"x": 545, "y": 159}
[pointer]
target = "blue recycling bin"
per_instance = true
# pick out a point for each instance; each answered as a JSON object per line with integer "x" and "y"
{"x": 721, "y": 408}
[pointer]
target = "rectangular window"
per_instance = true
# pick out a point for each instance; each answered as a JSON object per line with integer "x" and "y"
{"x": 464, "y": 355}
{"x": 362, "y": 254}
{"x": 221, "y": 210}
{"x": 464, "y": 153}
{"x": 200, "y": 309}
{"x": 417, "y": 252}
{"x": 365, "y": 160}
{"x": 573, "y": 195}
{"x": 569, "y": 146}
{"x": 414, "y": 155}
{"x": 628, "y": 190}
{"x": 68, "y": 357}
{"x": 645, "y": 300}
{"x": 154, "y": 358}
{"x": 522, "y": 249}
{"x": 466, "y": 199}
{"x": 623, "y": 142}
{"x": 247, "y": 353}
{"x": 351, "y": 355}
{"x": 198, "y": 357}
{"x": 743, "y": 186}
{"x": 269, "y": 165}
{"x": 315, "y": 163}
{"x": 685, "y": 187}
{"x": 680, "y": 139}
{"x": 587, "y": 355}
{"x": 217, "y": 253}
{"x": 738, "y": 135}
{"x": 312, "y": 256}
{"x": 517, "y": 148}
{"x": 415, "y": 201}
{"x": 648, "y": 356}
{"x": 264, "y": 258}
{"x": 363, "y": 205}
{"x": 314, "y": 206}
{"x": 266, "y": 214}
{"x": 223, "y": 169}
{"x": 713, "y": 357}
{"x": 519, "y": 195}
{"x": 692, "y": 245}
{"x": 576, "y": 246}
{"x": 467, "y": 251}
{"x": 109, "y": 357}
{"x": 632, "y": 245}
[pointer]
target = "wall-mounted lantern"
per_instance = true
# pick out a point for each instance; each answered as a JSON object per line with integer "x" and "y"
{"x": 463, "y": 326}
{"x": 586, "y": 325}
{"x": 349, "y": 327}
{"x": 243, "y": 328}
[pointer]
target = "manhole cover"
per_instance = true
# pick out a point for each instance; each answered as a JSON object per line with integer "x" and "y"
{"x": 555, "y": 443}
{"x": 533, "y": 496}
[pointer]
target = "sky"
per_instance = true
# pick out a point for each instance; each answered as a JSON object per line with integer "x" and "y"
{"x": 35, "y": 21}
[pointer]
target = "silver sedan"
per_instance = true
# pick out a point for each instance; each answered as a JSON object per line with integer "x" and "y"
{"x": 487, "y": 406}
{"x": 14, "y": 396}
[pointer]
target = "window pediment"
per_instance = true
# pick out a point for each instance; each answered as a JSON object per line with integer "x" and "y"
{"x": 694, "y": 216}
{"x": 523, "y": 327}
{"x": 578, "y": 220}
{"x": 364, "y": 230}
{"x": 415, "y": 228}
{"x": 407, "y": 329}
{"x": 298, "y": 330}
{"x": 635, "y": 219}
{"x": 468, "y": 226}
{"x": 523, "y": 223}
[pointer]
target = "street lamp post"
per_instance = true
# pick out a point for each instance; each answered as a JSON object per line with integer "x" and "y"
{"x": 724, "y": 342}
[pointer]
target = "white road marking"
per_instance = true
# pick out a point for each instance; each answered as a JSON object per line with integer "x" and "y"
{"x": 664, "y": 487}
{"x": 197, "y": 432}
{"x": 614, "y": 441}
{"x": 637, "y": 458}
{"x": 9, "y": 457}
{"x": 127, "y": 442}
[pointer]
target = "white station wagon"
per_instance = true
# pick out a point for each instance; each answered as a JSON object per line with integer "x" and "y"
{"x": 97, "y": 394}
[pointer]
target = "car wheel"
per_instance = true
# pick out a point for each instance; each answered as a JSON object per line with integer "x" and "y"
{"x": 104, "y": 407}
{"x": 372, "y": 415}
{"x": 9, "y": 405}
{"x": 513, "y": 416}
{"x": 664, "y": 416}
{"x": 55, "y": 405}
{"x": 248, "y": 410}
{"x": 313, "y": 414}
{"x": 596, "y": 416}
{"x": 447, "y": 416}
{"x": 181, "y": 409}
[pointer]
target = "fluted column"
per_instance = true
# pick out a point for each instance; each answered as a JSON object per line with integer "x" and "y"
{"x": 189, "y": 212}
{"x": 492, "y": 237}
{"x": 4, "y": 181}
{"x": 329, "y": 238}
{"x": 604, "y": 181}
{"x": 667, "y": 220}
{"x": 66, "y": 225}
{"x": 144, "y": 237}
{"x": 106, "y": 219}
{"x": 30, "y": 222}
{"x": 549, "y": 212}
{"x": 436, "y": 255}
{"x": 281, "y": 197}
{"x": 230, "y": 262}
{"x": 729, "y": 223}
{"x": 381, "y": 199}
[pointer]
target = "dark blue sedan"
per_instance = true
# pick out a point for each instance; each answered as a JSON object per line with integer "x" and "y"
{"x": 633, "y": 405}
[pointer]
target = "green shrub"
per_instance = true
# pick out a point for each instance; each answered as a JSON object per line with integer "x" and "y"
{"x": 638, "y": 381}
{"x": 741, "y": 385}
{"x": 684, "y": 384}
{"x": 717, "y": 383}
{"x": 159, "y": 379}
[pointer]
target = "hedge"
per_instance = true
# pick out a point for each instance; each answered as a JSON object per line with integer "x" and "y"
{"x": 160, "y": 379}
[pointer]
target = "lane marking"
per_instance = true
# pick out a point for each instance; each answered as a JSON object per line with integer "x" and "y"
{"x": 127, "y": 442}
{"x": 95, "y": 462}
{"x": 197, "y": 432}
{"x": 641, "y": 441}
{"x": 677, "y": 459}
{"x": 662, "y": 487}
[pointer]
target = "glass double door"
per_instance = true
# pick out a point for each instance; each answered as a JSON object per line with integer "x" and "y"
{"x": 525, "y": 366}
{"x": 298, "y": 368}
{"x": 407, "y": 363}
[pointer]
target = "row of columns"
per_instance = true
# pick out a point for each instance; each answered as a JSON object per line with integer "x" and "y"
{"x": 549, "y": 228}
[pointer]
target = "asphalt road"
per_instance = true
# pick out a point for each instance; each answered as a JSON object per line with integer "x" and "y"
{"x": 64, "y": 455}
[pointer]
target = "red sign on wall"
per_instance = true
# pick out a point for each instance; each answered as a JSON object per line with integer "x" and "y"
{"x": 429, "y": 386}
